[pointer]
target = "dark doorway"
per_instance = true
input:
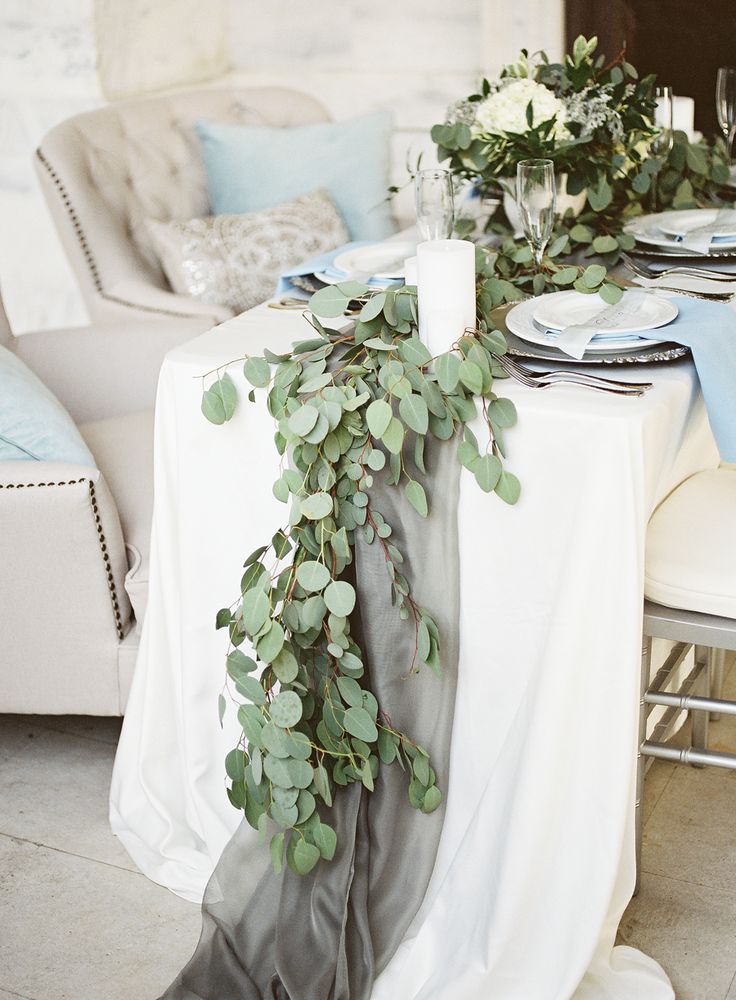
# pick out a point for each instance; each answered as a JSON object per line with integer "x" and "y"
{"x": 682, "y": 41}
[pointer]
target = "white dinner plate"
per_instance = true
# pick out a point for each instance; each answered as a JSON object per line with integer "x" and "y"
{"x": 683, "y": 222}
{"x": 647, "y": 229}
{"x": 560, "y": 309}
{"x": 520, "y": 321}
{"x": 380, "y": 260}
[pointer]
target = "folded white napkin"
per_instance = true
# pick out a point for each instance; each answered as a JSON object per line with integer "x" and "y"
{"x": 574, "y": 339}
{"x": 700, "y": 238}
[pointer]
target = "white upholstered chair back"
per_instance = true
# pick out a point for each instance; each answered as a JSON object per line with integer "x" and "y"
{"x": 106, "y": 171}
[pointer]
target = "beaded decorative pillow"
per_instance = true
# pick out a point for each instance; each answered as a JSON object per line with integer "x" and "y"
{"x": 236, "y": 260}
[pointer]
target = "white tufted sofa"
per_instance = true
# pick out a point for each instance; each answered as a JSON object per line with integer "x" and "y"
{"x": 104, "y": 172}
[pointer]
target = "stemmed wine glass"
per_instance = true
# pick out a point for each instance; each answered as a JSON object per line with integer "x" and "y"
{"x": 435, "y": 204}
{"x": 661, "y": 144}
{"x": 536, "y": 197}
{"x": 726, "y": 104}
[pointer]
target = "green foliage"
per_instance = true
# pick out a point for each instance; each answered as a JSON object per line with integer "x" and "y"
{"x": 592, "y": 149}
{"x": 347, "y": 406}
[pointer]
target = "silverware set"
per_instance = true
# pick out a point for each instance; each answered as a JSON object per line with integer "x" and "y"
{"x": 644, "y": 271}
{"x": 544, "y": 379}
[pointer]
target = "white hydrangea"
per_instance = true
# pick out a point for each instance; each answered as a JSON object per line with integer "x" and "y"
{"x": 505, "y": 111}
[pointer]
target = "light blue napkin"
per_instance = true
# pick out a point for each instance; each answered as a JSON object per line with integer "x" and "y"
{"x": 709, "y": 330}
{"x": 322, "y": 264}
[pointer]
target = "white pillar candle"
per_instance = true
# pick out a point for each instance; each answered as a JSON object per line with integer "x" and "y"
{"x": 410, "y": 271}
{"x": 683, "y": 116}
{"x": 445, "y": 291}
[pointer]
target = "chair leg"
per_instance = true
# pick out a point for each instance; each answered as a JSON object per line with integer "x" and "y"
{"x": 702, "y": 688}
{"x": 646, "y": 666}
{"x": 717, "y": 666}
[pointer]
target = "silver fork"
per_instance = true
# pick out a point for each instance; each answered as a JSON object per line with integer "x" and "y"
{"x": 541, "y": 380}
{"x": 645, "y": 271}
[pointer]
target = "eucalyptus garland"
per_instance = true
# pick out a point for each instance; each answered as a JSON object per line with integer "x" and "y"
{"x": 348, "y": 405}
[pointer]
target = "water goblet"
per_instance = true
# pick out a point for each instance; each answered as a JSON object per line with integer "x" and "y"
{"x": 726, "y": 105}
{"x": 536, "y": 197}
{"x": 435, "y": 204}
{"x": 661, "y": 144}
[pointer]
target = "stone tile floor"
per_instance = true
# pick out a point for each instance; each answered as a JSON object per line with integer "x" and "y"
{"x": 78, "y": 922}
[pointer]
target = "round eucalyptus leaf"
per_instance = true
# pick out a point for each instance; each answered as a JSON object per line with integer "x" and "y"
{"x": 277, "y": 771}
{"x": 285, "y": 666}
{"x": 275, "y": 740}
{"x": 252, "y": 689}
{"x": 303, "y": 420}
{"x": 286, "y": 709}
{"x": 325, "y": 840}
{"x": 359, "y": 723}
{"x": 258, "y": 372}
{"x": 432, "y": 798}
{"x": 300, "y": 773}
{"x": 306, "y": 805}
{"x": 340, "y": 598}
{"x": 313, "y": 575}
{"x": 329, "y": 302}
{"x": 305, "y": 856}
{"x": 351, "y": 691}
{"x": 284, "y": 817}
{"x": 378, "y": 416}
{"x": 414, "y": 413}
{"x": 417, "y": 498}
{"x": 317, "y": 505}
{"x": 271, "y": 643}
{"x": 285, "y": 797}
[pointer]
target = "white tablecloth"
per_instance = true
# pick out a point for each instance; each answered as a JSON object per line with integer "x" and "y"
{"x": 536, "y": 862}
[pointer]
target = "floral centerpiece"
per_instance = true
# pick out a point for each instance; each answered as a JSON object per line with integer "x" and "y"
{"x": 591, "y": 117}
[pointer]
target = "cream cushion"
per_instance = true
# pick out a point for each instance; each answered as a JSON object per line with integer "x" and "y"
{"x": 691, "y": 546}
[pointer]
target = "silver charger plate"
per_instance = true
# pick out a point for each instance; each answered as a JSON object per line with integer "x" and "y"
{"x": 646, "y": 355}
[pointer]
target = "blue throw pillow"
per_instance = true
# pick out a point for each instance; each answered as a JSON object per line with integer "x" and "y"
{"x": 33, "y": 423}
{"x": 252, "y": 167}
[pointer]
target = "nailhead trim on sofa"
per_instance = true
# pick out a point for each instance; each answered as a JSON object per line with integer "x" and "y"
{"x": 88, "y": 256}
{"x": 100, "y": 537}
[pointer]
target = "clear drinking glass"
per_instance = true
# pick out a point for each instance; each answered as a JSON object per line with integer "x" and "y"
{"x": 435, "y": 204}
{"x": 726, "y": 104}
{"x": 536, "y": 197}
{"x": 661, "y": 144}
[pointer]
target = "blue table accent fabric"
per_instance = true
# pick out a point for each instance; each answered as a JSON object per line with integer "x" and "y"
{"x": 252, "y": 167}
{"x": 709, "y": 330}
{"x": 34, "y": 426}
{"x": 322, "y": 264}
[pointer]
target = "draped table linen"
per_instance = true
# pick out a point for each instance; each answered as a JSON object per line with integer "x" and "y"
{"x": 536, "y": 858}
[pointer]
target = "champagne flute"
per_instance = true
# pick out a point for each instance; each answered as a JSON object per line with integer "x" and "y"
{"x": 661, "y": 144}
{"x": 726, "y": 105}
{"x": 435, "y": 204}
{"x": 536, "y": 197}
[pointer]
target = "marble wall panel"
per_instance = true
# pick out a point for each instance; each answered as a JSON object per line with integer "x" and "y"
{"x": 148, "y": 45}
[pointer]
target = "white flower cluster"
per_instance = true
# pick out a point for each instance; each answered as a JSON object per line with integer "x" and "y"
{"x": 505, "y": 111}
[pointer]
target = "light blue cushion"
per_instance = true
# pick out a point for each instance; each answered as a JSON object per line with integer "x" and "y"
{"x": 33, "y": 423}
{"x": 252, "y": 167}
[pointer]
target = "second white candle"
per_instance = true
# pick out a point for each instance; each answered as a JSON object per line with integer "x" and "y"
{"x": 445, "y": 291}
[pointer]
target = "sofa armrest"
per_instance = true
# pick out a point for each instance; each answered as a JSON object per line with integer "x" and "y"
{"x": 63, "y": 605}
{"x": 105, "y": 371}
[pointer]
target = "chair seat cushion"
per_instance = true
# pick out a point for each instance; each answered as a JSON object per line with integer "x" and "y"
{"x": 123, "y": 451}
{"x": 691, "y": 546}
{"x": 252, "y": 167}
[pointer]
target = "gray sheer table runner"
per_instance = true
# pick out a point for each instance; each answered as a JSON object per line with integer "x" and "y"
{"x": 328, "y": 934}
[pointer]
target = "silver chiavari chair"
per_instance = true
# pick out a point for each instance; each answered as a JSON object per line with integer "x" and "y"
{"x": 690, "y": 589}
